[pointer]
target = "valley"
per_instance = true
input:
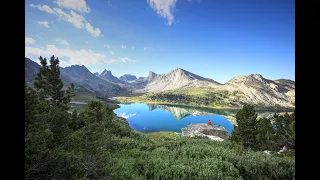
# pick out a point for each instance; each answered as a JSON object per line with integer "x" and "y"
{"x": 178, "y": 87}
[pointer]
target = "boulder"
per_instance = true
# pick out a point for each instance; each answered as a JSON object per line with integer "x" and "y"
{"x": 213, "y": 132}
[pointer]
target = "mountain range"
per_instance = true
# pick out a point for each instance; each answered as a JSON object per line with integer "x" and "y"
{"x": 83, "y": 79}
{"x": 253, "y": 88}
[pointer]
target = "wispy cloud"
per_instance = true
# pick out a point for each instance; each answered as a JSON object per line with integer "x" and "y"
{"x": 68, "y": 56}
{"x": 127, "y": 116}
{"x": 44, "y": 8}
{"x": 93, "y": 31}
{"x": 43, "y": 23}
{"x": 64, "y": 42}
{"x": 125, "y": 60}
{"x": 73, "y": 18}
{"x": 110, "y": 61}
{"x": 112, "y": 53}
{"x": 78, "y": 5}
{"x": 123, "y": 47}
{"x": 29, "y": 40}
{"x": 61, "y": 41}
{"x": 164, "y": 8}
{"x": 147, "y": 48}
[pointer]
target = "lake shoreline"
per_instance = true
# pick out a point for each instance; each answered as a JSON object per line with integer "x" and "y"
{"x": 276, "y": 109}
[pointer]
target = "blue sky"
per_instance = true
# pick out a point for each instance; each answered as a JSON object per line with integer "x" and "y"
{"x": 218, "y": 39}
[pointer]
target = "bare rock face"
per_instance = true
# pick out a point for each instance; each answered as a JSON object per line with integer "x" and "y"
{"x": 213, "y": 132}
{"x": 255, "y": 89}
{"x": 178, "y": 78}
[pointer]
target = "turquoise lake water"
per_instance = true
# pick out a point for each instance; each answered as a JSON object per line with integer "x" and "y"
{"x": 153, "y": 118}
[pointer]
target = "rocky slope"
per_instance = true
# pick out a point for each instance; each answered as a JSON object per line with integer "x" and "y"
{"x": 151, "y": 76}
{"x": 177, "y": 79}
{"x": 255, "y": 89}
{"x": 31, "y": 70}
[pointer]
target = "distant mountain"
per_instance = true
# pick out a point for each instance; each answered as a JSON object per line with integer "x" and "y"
{"x": 128, "y": 77}
{"x": 96, "y": 73}
{"x": 139, "y": 84}
{"x": 80, "y": 75}
{"x": 178, "y": 78}
{"x": 107, "y": 75}
{"x": 151, "y": 76}
{"x": 83, "y": 79}
{"x": 286, "y": 82}
{"x": 31, "y": 70}
{"x": 253, "y": 88}
{"x": 257, "y": 90}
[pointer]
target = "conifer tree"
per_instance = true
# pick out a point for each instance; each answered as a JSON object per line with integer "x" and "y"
{"x": 49, "y": 84}
{"x": 246, "y": 131}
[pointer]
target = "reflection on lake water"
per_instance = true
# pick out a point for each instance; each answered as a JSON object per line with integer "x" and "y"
{"x": 155, "y": 117}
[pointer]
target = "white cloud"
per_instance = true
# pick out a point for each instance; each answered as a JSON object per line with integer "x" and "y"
{"x": 73, "y": 18}
{"x": 146, "y": 48}
{"x": 78, "y": 5}
{"x": 68, "y": 56}
{"x": 95, "y": 32}
{"x": 164, "y": 8}
{"x": 125, "y": 60}
{"x": 29, "y": 40}
{"x": 112, "y": 52}
{"x": 43, "y": 23}
{"x": 128, "y": 116}
{"x": 63, "y": 42}
{"x": 123, "y": 47}
{"x": 44, "y": 8}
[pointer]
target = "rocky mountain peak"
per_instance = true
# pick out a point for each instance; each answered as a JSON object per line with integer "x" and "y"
{"x": 151, "y": 76}
{"x": 179, "y": 70}
{"x": 106, "y": 72}
{"x": 152, "y": 73}
{"x": 79, "y": 68}
{"x": 128, "y": 77}
{"x": 256, "y": 76}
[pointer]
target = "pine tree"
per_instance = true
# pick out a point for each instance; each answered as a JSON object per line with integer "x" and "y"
{"x": 246, "y": 131}
{"x": 73, "y": 122}
{"x": 285, "y": 129}
{"x": 265, "y": 136}
{"x": 38, "y": 138}
{"x": 49, "y": 84}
